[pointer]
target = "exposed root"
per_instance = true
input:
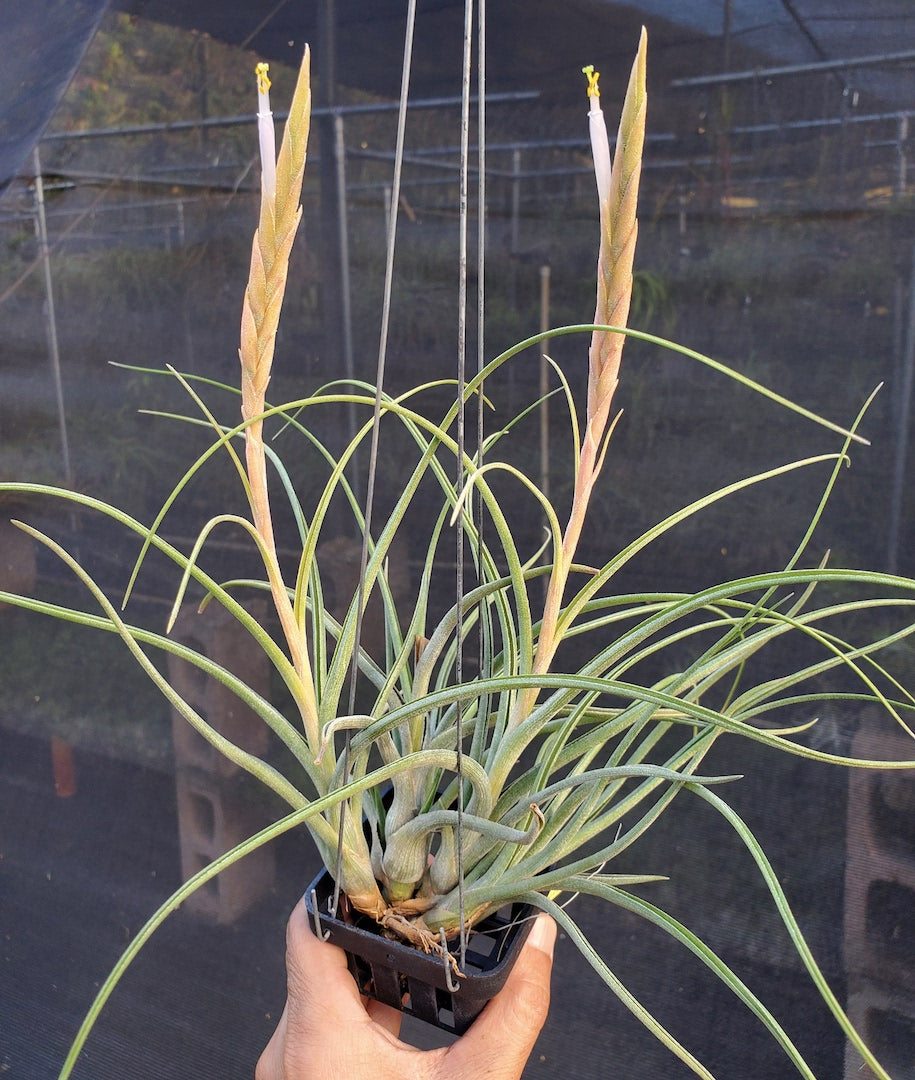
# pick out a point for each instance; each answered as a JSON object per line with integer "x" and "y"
{"x": 416, "y": 933}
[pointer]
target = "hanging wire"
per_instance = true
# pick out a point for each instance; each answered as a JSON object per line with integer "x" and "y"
{"x": 481, "y": 269}
{"x": 459, "y": 482}
{"x": 481, "y": 213}
{"x": 376, "y": 415}
{"x": 268, "y": 18}
{"x": 481, "y": 355}
{"x": 461, "y": 385}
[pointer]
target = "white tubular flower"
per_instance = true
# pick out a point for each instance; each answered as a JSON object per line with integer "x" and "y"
{"x": 600, "y": 142}
{"x": 266, "y": 132}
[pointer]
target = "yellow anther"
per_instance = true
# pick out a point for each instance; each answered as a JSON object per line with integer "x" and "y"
{"x": 593, "y": 76}
{"x": 263, "y": 82}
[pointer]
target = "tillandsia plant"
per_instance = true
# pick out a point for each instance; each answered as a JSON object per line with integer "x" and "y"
{"x": 525, "y": 780}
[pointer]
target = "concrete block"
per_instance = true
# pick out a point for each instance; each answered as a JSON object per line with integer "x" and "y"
{"x": 215, "y": 633}
{"x": 880, "y": 864}
{"x": 886, "y": 1020}
{"x": 215, "y": 814}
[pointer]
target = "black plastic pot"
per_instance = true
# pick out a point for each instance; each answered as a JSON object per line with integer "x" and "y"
{"x": 397, "y": 974}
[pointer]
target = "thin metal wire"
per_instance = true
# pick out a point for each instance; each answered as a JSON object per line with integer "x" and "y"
{"x": 481, "y": 218}
{"x": 376, "y": 415}
{"x": 264, "y": 21}
{"x": 459, "y": 482}
{"x": 481, "y": 257}
{"x": 320, "y": 933}
{"x": 450, "y": 982}
{"x": 481, "y": 337}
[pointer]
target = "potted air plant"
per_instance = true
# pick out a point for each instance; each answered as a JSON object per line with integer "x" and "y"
{"x": 449, "y": 796}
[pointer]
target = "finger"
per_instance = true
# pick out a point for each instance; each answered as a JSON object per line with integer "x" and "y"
{"x": 320, "y": 982}
{"x": 500, "y": 1041}
{"x": 318, "y": 978}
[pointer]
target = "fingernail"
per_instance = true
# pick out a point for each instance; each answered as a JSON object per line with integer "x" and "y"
{"x": 543, "y": 934}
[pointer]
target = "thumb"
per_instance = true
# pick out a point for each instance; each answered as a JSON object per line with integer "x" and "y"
{"x": 320, "y": 989}
{"x": 500, "y": 1041}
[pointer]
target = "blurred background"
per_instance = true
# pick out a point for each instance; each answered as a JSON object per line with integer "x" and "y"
{"x": 776, "y": 234}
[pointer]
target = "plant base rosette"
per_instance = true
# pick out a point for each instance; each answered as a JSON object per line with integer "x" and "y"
{"x": 418, "y": 983}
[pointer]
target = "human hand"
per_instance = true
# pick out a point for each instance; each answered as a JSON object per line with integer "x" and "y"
{"x": 328, "y": 1031}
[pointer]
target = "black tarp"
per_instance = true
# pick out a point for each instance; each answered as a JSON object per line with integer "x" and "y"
{"x": 43, "y": 43}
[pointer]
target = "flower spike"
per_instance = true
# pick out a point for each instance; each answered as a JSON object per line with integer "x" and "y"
{"x": 618, "y": 228}
{"x": 280, "y": 213}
